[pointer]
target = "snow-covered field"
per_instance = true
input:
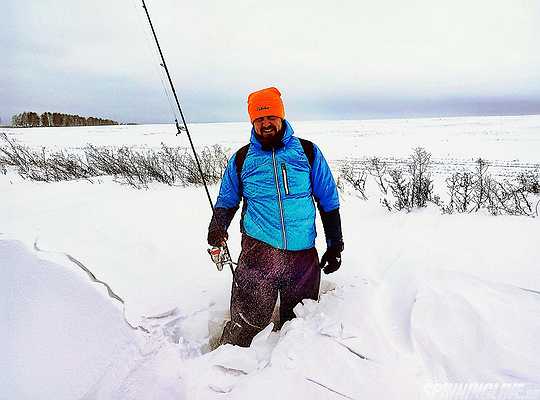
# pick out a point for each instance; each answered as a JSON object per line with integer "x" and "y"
{"x": 425, "y": 306}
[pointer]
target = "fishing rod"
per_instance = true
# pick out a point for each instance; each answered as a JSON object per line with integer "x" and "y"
{"x": 218, "y": 258}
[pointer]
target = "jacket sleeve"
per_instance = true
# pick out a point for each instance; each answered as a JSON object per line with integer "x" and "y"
{"x": 323, "y": 184}
{"x": 326, "y": 195}
{"x": 229, "y": 191}
{"x": 228, "y": 198}
{"x": 332, "y": 229}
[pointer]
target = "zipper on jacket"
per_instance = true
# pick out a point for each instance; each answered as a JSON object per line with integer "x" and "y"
{"x": 285, "y": 180}
{"x": 276, "y": 179}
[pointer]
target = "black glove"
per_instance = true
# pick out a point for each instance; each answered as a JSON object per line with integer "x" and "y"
{"x": 216, "y": 236}
{"x": 331, "y": 259}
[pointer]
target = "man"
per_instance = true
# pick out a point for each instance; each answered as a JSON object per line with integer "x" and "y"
{"x": 277, "y": 176}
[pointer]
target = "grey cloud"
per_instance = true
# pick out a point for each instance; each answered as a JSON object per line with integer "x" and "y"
{"x": 359, "y": 60}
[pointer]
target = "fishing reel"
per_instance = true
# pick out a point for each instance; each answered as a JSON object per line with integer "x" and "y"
{"x": 220, "y": 257}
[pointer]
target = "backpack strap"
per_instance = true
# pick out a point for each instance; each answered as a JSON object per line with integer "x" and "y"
{"x": 308, "y": 150}
{"x": 239, "y": 162}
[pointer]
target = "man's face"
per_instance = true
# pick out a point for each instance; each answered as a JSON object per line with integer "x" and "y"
{"x": 267, "y": 127}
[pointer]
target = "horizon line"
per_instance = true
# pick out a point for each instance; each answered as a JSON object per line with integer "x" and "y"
{"x": 295, "y": 120}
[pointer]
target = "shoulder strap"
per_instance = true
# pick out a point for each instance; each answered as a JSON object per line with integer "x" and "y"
{"x": 239, "y": 160}
{"x": 308, "y": 150}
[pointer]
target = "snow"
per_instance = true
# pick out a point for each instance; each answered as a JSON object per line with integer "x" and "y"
{"x": 422, "y": 299}
{"x": 64, "y": 339}
{"x": 493, "y": 138}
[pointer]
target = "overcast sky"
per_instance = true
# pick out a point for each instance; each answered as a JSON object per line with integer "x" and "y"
{"x": 340, "y": 59}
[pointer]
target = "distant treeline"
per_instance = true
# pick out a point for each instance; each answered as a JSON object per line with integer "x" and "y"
{"x": 30, "y": 119}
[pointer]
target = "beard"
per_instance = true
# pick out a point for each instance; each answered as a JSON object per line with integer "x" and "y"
{"x": 271, "y": 138}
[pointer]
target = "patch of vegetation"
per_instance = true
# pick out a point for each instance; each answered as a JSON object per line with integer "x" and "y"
{"x": 29, "y": 119}
{"x": 170, "y": 165}
{"x": 410, "y": 185}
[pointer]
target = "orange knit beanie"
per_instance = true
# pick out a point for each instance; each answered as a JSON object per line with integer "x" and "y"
{"x": 265, "y": 102}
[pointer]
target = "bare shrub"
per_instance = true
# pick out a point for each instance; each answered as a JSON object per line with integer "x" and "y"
{"x": 412, "y": 187}
{"x": 511, "y": 199}
{"x": 213, "y": 162}
{"x": 400, "y": 187}
{"x": 11, "y": 154}
{"x": 3, "y": 161}
{"x": 460, "y": 187}
{"x": 355, "y": 177}
{"x": 39, "y": 165}
{"x": 530, "y": 181}
{"x": 421, "y": 182}
{"x": 470, "y": 190}
{"x": 169, "y": 165}
{"x": 480, "y": 184}
{"x": 473, "y": 190}
{"x": 377, "y": 169}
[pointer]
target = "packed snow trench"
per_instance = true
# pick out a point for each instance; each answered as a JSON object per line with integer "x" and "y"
{"x": 425, "y": 306}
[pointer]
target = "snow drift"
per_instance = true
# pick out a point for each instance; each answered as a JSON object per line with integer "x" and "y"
{"x": 63, "y": 338}
{"x": 66, "y": 339}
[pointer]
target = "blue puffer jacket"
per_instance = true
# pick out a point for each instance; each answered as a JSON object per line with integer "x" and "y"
{"x": 278, "y": 187}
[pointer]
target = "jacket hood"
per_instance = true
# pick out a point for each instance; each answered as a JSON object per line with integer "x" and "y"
{"x": 288, "y": 132}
